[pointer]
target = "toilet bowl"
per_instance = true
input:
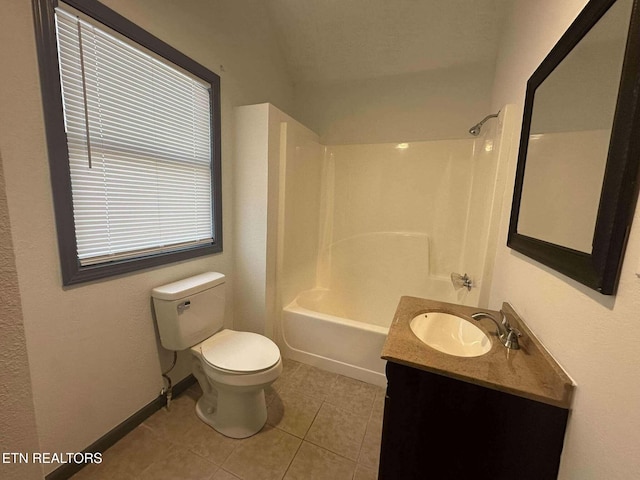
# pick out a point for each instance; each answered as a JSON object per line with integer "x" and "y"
{"x": 233, "y": 368}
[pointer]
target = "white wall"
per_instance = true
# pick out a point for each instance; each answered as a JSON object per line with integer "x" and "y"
{"x": 432, "y": 105}
{"x": 17, "y": 415}
{"x": 93, "y": 352}
{"x": 594, "y": 337}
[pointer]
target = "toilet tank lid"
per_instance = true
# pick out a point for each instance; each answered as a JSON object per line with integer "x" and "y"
{"x": 188, "y": 286}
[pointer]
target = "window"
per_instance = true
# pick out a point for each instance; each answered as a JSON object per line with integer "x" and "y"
{"x": 133, "y": 130}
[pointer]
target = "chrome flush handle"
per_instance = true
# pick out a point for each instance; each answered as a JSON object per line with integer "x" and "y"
{"x": 183, "y": 306}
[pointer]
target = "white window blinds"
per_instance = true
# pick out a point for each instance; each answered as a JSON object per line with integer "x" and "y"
{"x": 139, "y": 139}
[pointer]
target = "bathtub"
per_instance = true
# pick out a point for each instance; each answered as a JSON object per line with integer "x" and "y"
{"x": 319, "y": 328}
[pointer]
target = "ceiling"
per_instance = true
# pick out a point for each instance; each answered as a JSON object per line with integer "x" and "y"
{"x": 340, "y": 40}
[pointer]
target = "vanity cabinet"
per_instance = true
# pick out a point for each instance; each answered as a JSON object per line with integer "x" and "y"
{"x": 437, "y": 427}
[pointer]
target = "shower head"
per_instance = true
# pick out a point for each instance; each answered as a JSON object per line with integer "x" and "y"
{"x": 475, "y": 130}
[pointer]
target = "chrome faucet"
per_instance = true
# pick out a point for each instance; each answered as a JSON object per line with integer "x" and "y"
{"x": 506, "y": 333}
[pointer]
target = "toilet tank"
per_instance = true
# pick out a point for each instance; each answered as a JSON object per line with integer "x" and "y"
{"x": 190, "y": 310}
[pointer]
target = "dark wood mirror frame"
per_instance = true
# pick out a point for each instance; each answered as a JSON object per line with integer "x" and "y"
{"x": 599, "y": 270}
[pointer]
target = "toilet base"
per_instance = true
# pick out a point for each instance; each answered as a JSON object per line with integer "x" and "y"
{"x": 236, "y": 415}
{"x": 239, "y": 411}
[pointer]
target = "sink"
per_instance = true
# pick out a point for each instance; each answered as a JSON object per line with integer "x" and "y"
{"x": 450, "y": 334}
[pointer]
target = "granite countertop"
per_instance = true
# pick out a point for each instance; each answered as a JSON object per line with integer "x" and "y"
{"x": 529, "y": 372}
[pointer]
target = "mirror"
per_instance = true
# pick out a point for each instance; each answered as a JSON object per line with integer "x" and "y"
{"x": 576, "y": 179}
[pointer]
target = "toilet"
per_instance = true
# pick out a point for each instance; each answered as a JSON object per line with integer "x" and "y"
{"x": 236, "y": 365}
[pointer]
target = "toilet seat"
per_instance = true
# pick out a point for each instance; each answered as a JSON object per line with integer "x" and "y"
{"x": 239, "y": 352}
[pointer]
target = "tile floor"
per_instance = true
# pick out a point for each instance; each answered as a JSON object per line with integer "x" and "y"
{"x": 320, "y": 426}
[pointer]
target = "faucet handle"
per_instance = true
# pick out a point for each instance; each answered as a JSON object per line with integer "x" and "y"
{"x": 505, "y": 332}
{"x": 507, "y": 325}
{"x": 511, "y": 340}
{"x": 511, "y": 335}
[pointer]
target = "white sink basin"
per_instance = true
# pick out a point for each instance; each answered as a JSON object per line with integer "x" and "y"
{"x": 450, "y": 334}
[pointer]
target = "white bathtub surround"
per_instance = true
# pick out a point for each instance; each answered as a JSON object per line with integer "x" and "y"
{"x": 343, "y": 328}
{"x": 492, "y": 150}
{"x": 422, "y": 189}
{"x": 270, "y": 149}
{"x": 366, "y": 274}
{"x": 345, "y": 230}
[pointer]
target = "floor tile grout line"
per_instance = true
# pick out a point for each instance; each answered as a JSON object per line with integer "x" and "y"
{"x": 314, "y": 419}
{"x": 214, "y": 473}
{"x": 357, "y": 460}
{"x": 292, "y": 459}
{"x": 321, "y": 446}
{"x": 330, "y": 451}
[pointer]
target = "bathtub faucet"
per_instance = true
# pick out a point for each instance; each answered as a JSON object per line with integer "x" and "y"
{"x": 461, "y": 281}
{"x": 506, "y": 333}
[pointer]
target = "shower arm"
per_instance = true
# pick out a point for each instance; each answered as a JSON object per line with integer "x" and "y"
{"x": 493, "y": 115}
{"x": 475, "y": 130}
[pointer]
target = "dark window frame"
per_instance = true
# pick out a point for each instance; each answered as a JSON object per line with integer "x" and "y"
{"x": 72, "y": 271}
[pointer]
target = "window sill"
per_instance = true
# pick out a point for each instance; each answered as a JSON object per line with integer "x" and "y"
{"x": 76, "y": 274}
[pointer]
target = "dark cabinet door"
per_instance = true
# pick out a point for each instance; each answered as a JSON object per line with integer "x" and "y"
{"x": 440, "y": 428}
